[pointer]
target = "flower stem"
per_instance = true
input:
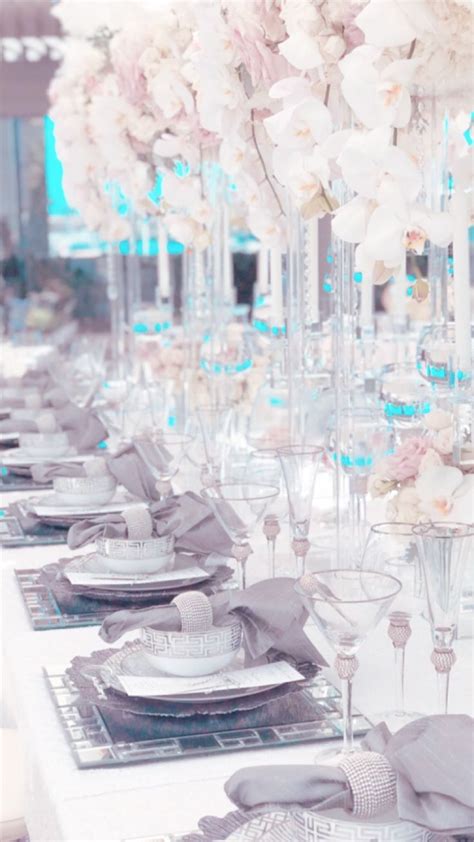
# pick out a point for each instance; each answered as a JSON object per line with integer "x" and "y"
{"x": 264, "y": 167}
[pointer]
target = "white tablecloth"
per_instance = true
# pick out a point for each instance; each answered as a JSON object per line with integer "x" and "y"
{"x": 65, "y": 803}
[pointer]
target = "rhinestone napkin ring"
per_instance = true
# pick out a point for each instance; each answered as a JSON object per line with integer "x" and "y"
{"x": 195, "y": 611}
{"x": 372, "y": 780}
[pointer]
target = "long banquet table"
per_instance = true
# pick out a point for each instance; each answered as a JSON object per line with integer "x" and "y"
{"x": 160, "y": 799}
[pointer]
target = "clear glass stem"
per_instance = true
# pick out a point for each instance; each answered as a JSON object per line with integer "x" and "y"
{"x": 271, "y": 542}
{"x": 300, "y": 564}
{"x": 443, "y": 691}
{"x": 346, "y": 690}
{"x": 242, "y": 573}
{"x": 399, "y": 653}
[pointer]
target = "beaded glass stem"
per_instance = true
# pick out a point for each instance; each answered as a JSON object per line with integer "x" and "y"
{"x": 444, "y": 550}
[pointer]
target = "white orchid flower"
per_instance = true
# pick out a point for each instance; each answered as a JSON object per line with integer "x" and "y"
{"x": 232, "y": 154}
{"x": 393, "y": 23}
{"x": 378, "y": 97}
{"x": 300, "y": 126}
{"x": 445, "y": 493}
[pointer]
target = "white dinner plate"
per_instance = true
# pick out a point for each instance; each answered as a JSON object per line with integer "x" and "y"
{"x": 21, "y": 458}
{"x": 93, "y": 566}
{"x": 131, "y": 660}
{"x": 52, "y": 506}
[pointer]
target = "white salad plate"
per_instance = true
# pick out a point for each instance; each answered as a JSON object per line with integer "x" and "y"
{"x": 132, "y": 661}
{"x": 53, "y": 506}
{"x": 94, "y": 571}
{"x": 21, "y": 458}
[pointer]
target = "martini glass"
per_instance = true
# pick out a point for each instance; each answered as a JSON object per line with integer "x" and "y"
{"x": 444, "y": 548}
{"x": 264, "y": 466}
{"x": 214, "y": 423}
{"x": 300, "y": 464}
{"x": 346, "y": 606}
{"x": 239, "y": 508}
{"x": 163, "y": 454}
{"x": 391, "y": 548}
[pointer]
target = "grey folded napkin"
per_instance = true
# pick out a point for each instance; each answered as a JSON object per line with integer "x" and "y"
{"x": 49, "y": 470}
{"x": 18, "y": 425}
{"x": 84, "y": 427}
{"x": 433, "y": 761}
{"x": 187, "y": 516}
{"x": 130, "y": 470}
{"x": 271, "y": 614}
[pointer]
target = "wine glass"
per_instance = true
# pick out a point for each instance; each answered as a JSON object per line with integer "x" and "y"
{"x": 264, "y": 466}
{"x": 405, "y": 397}
{"x": 444, "y": 550}
{"x": 239, "y": 508}
{"x": 347, "y": 605}
{"x": 300, "y": 464}
{"x": 360, "y": 439}
{"x": 163, "y": 454}
{"x": 214, "y": 423}
{"x": 391, "y": 548}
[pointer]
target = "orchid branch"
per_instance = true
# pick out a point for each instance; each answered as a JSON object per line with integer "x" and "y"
{"x": 410, "y": 55}
{"x": 264, "y": 166}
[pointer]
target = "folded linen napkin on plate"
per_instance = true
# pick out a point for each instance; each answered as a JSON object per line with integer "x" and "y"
{"x": 130, "y": 470}
{"x": 187, "y": 516}
{"x": 430, "y": 761}
{"x": 271, "y": 613}
{"x": 50, "y": 470}
{"x": 84, "y": 428}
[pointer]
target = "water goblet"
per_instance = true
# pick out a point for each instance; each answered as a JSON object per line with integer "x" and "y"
{"x": 239, "y": 508}
{"x": 346, "y": 606}
{"x": 444, "y": 550}
{"x": 406, "y": 399}
{"x": 264, "y": 466}
{"x": 163, "y": 454}
{"x": 214, "y": 423}
{"x": 300, "y": 464}
{"x": 391, "y": 548}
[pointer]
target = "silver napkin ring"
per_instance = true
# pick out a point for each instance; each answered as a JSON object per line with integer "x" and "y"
{"x": 195, "y": 611}
{"x": 139, "y": 522}
{"x": 372, "y": 780}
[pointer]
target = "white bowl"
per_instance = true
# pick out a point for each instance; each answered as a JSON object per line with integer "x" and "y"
{"x": 339, "y": 826}
{"x": 91, "y": 491}
{"x": 151, "y": 555}
{"x": 45, "y": 444}
{"x": 190, "y": 654}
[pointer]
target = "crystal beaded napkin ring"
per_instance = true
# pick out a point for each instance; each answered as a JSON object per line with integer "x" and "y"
{"x": 372, "y": 781}
{"x": 195, "y": 611}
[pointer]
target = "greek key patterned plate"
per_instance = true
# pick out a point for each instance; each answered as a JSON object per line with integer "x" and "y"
{"x": 131, "y": 660}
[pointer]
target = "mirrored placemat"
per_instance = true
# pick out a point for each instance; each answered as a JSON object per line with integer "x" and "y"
{"x": 51, "y": 607}
{"x": 12, "y": 533}
{"x": 46, "y": 612}
{"x": 10, "y": 481}
{"x": 93, "y": 746}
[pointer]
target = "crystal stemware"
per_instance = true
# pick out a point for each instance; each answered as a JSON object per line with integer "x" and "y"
{"x": 214, "y": 423}
{"x": 406, "y": 399}
{"x": 163, "y": 454}
{"x": 391, "y": 548}
{"x": 347, "y": 605}
{"x": 265, "y": 466}
{"x": 357, "y": 442}
{"x": 300, "y": 464}
{"x": 239, "y": 508}
{"x": 444, "y": 549}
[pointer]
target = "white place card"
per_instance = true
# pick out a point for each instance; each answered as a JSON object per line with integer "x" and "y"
{"x": 85, "y": 578}
{"x": 266, "y": 675}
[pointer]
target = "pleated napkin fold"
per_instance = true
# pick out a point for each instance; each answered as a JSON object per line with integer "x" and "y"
{"x": 433, "y": 761}
{"x": 131, "y": 471}
{"x": 50, "y": 470}
{"x": 187, "y": 516}
{"x": 271, "y": 613}
{"x": 84, "y": 428}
